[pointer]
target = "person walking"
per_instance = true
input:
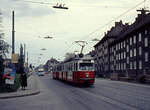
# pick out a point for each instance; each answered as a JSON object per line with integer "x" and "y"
{"x": 23, "y": 80}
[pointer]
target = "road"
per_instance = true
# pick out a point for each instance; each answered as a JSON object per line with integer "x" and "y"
{"x": 104, "y": 95}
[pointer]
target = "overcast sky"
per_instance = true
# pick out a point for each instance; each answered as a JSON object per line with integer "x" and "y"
{"x": 65, "y": 26}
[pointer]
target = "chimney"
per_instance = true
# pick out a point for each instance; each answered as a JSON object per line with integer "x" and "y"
{"x": 142, "y": 14}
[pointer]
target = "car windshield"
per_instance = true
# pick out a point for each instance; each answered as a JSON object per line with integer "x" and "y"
{"x": 86, "y": 66}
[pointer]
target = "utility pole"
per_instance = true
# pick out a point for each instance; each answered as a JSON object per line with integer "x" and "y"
{"x": 13, "y": 33}
{"x": 27, "y": 58}
{"x": 24, "y": 52}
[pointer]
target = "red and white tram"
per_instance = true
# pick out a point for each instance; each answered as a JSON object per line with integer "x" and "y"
{"x": 76, "y": 70}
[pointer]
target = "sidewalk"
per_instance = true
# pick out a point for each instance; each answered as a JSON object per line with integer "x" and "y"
{"x": 32, "y": 89}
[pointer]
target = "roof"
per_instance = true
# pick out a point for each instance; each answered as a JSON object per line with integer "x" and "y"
{"x": 113, "y": 32}
{"x": 141, "y": 20}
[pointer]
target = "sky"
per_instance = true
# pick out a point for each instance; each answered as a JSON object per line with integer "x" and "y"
{"x": 84, "y": 20}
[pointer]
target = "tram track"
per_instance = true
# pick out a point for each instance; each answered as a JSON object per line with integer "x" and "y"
{"x": 133, "y": 102}
{"x": 101, "y": 95}
{"x": 129, "y": 93}
{"x": 112, "y": 101}
{"x": 126, "y": 90}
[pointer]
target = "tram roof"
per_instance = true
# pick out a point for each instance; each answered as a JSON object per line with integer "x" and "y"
{"x": 76, "y": 58}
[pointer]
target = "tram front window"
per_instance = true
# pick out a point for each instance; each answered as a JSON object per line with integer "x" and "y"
{"x": 86, "y": 66}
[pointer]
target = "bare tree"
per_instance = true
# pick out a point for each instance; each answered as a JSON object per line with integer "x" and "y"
{"x": 69, "y": 56}
{"x": 4, "y": 46}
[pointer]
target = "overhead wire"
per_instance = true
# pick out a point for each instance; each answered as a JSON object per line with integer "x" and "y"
{"x": 93, "y": 5}
{"x": 113, "y": 20}
{"x": 87, "y": 36}
{"x": 34, "y": 2}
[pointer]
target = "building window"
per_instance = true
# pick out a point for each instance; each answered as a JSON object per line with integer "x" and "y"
{"x": 127, "y": 48}
{"x": 140, "y": 64}
{"x": 135, "y": 65}
{"x": 145, "y": 32}
{"x": 124, "y": 44}
{"x": 119, "y": 46}
{"x": 130, "y": 53}
{"x": 130, "y": 40}
{"x": 116, "y": 57}
{"x": 146, "y": 57}
{"x": 140, "y": 50}
{"x": 127, "y": 60}
{"x": 127, "y": 40}
{"x": 134, "y": 40}
{"x": 124, "y": 55}
{"x": 124, "y": 66}
{"x": 116, "y": 47}
{"x": 114, "y": 53}
{"x": 146, "y": 42}
{"x": 130, "y": 65}
{"x": 135, "y": 52}
{"x": 140, "y": 37}
{"x": 112, "y": 49}
{"x": 116, "y": 67}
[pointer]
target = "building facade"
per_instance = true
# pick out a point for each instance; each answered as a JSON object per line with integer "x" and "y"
{"x": 50, "y": 64}
{"x": 102, "y": 66}
{"x": 128, "y": 52}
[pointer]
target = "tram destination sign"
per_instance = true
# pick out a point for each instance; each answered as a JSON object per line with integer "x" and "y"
{"x": 86, "y": 61}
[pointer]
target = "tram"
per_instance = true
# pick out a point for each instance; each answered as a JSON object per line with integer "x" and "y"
{"x": 78, "y": 70}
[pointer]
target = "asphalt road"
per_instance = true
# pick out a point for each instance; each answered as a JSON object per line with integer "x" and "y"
{"x": 104, "y": 95}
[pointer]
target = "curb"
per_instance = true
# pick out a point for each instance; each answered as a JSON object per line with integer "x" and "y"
{"x": 16, "y": 96}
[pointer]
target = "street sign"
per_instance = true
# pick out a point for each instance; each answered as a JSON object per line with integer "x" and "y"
{"x": 14, "y": 58}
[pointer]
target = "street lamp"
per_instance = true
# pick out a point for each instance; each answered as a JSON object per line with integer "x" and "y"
{"x": 60, "y": 6}
{"x": 43, "y": 49}
{"x": 95, "y": 39}
{"x": 48, "y": 37}
{"x": 76, "y": 51}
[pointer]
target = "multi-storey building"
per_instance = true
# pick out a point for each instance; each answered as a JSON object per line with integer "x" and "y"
{"x": 102, "y": 66}
{"x": 129, "y": 53}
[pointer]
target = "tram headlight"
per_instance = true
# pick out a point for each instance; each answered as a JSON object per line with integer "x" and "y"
{"x": 87, "y": 75}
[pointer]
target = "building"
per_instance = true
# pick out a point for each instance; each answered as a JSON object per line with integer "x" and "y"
{"x": 50, "y": 64}
{"x": 125, "y": 49}
{"x": 102, "y": 66}
{"x": 129, "y": 53}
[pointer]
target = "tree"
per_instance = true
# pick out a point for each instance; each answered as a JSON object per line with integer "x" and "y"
{"x": 4, "y": 48}
{"x": 69, "y": 56}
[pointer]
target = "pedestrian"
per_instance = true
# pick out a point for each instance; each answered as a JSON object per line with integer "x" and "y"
{"x": 23, "y": 80}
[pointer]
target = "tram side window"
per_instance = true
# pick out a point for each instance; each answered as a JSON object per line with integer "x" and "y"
{"x": 76, "y": 66}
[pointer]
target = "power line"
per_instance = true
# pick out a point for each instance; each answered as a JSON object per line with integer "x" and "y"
{"x": 113, "y": 20}
{"x": 95, "y": 5}
{"x": 87, "y": 36}
{"x": 108, "y": 23}
{"x": 34, "y": 2}
{"x": 67, "y": 49}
